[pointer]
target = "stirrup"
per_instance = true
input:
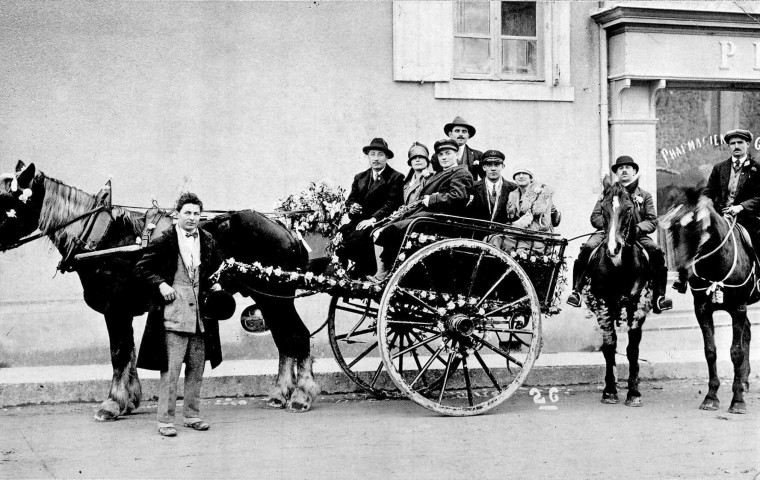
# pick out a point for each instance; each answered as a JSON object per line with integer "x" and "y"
{"x": 661, "y": 304}
{"x": 679, "y": 286}
{"x": 574, "y": 299}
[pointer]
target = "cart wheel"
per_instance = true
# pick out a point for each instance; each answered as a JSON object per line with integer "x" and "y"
{"x": 352, "y": 330}
{"x": 475, "y": 321}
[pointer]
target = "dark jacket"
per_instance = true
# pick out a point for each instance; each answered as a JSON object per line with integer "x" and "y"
{"x": 159, "y": 264}
{"x": 644, "y": 213}
{"x": 479, "y": 207}
{"x": 449, "y": 191}
{"x": 470, "y": 159}
{"x": 379, "y": 199}
{"x": 747, "y": 190}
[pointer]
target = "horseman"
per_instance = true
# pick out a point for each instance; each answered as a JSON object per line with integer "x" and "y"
{"x": 645, "y": 220}
{"x": 734, "y": 188}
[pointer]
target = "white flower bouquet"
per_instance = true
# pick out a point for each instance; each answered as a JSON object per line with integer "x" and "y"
{"x": 320, "y": 209}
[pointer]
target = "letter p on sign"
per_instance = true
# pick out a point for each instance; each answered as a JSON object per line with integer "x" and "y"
{"x": 727, "y": 49}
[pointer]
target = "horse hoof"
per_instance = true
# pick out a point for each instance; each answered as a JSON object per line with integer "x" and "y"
{"x": 298, "y": 407}
{"x": 633, "y": 402}
{"x": 710, "y": 405}
{"x": 276, "y": 403}
{"x": 610, "y": 398}
{"x": 738, "y": 408}
{"x": 105, "y": 416}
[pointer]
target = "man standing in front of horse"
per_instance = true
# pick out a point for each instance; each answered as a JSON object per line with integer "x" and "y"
{"x": 375, "y": 193}
{"x": 177, "y": 266}
{"x": 734, "y": 188}
{"x": 645, "y": 221}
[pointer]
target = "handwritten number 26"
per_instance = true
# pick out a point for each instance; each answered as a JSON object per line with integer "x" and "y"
{"x": 538, "y": 398}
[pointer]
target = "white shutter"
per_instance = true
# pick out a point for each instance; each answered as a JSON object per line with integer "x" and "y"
{"x": 423, "y": 39}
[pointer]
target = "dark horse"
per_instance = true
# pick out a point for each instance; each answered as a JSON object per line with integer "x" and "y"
{"x": 618, "y": 289}
{"x": 29, "y": 200}
{"x": 722, "y": 275}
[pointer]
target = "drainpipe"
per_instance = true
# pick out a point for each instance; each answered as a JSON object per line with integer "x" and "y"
{"x": 604, "y": 123}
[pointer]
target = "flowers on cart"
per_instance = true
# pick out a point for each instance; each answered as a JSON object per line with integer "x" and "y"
{"x": 524, "y": 255}
{"x": 320, "y": 209}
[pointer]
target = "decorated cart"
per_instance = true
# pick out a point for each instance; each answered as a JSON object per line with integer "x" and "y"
{"x": 456, "y": 327}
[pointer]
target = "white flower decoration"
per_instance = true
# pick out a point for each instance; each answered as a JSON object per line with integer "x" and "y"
{"x": 11, "y": 213}
{"x": 26, "y": 194}
{"x": 639, "y": 199}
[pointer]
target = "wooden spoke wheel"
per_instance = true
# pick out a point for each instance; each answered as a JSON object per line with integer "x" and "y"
{"x": 473, "y": 321}
{"x": 352, "y": 330}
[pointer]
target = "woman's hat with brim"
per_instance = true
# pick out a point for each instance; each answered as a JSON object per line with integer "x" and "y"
{"x": 378, "y": 144}
{"x": 624, "y": 160}
{"x": 522, "y": 169}
{"x": 219, "y": 305}
{"x": 418, "y": 150}
{"x": 459, "y": 122}
{"x": 745, "y": 135}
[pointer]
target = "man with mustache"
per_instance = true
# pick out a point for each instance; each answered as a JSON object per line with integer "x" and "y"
{"x": 460, "y": 131}
{"x": 734, "y": 188}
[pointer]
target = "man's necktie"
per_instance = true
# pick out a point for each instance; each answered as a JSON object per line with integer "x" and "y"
{"x": 737, "y": 166}
{"x": 194, "y": 234}
{"x": 493, "y": 196}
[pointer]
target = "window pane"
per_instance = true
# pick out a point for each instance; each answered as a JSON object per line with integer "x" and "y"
{"x": 518, "y": 19}
{"x": 473, "y": 18}
{"x": 473, "y": 55}
{"x": 518, "y": 56}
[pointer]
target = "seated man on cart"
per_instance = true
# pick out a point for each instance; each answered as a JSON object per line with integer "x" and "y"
{"x": 489, "y": 196}
{"x": 445, "y": 192}
{"x": 375, "y": 193}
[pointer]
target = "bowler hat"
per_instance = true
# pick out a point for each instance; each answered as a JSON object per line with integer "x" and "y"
{"x": 378, "y": 144}
{"x": 745, "y": 135}
{"x": 219, "y": 305}
{"x": 522, "y": 169}
{"x": 446, "y": 144}
{"x": 418, "y": 150}
{"x": 624, "y": 160}
{"x": 492, "y": 156}
{"x": 459, "y": 122}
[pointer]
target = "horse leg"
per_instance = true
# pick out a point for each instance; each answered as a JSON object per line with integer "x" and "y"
{"x": 738, "y": 358}
{"x": 705, "y": 319}
{"x": 609, "y": 347}
{"x": 632, "y": 351}
{"x": 124, "y": 395}
{"x": 306, "y": 388}
{"x": 746, "y": 337}
{"x": 283, "y": 388}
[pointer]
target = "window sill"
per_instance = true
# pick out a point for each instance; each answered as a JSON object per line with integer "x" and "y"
{"x": 503, "y": 90}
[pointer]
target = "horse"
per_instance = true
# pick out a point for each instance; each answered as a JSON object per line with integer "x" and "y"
{"x": 618, "y": 289}
{"x": 30, "y": 200}
{"x": 722, "y": 275}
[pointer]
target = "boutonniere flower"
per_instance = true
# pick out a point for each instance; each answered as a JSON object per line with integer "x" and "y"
{"x": 639, "y": 199}
{"x": 11, "y": 213}
{"x": 476, "y": 162}
{"x": 426, "y": 173}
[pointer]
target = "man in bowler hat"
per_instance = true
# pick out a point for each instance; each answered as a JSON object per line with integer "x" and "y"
{"x": 375, "y": 193}
{"x": 645, "y": 219}
{"x": 460, "y": 131}
{"x": 489, "y": 200}
{"x": 176, "y": 268}
{"x": 734, "y": 188}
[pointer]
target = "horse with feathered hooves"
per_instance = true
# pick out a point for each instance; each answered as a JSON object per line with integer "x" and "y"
{"x": 29, "y": 200}
{"x": 723, "y": 275}
{"x": 617, "y": 289}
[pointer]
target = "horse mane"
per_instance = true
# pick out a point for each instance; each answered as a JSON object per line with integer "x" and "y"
{"x": 62, "y": 203}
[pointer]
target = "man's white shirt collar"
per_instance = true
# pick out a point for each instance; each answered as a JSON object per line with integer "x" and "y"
{"x": 189, "y": 247}
{"x": 742, "y": 161}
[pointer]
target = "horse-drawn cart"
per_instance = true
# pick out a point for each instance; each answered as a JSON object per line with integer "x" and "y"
{"x": 458, "y": 322}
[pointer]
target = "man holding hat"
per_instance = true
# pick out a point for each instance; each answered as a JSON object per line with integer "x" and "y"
{"x": 375, "y": 193}
{"x": 734, "y": 188}
{"x": 444, "y": 192}
{"x": 645, "y": 219}
{"x": 180, "y": 327}
{"x": 490, "y": 194}
{"x": 460, "y": 131}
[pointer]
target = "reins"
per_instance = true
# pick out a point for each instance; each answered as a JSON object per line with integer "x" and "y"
{"x": 35, "y": 236}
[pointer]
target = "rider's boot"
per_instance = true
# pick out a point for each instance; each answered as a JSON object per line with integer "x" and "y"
{"x": 681, "y": 283}
{"x": 574, "y": 299}
{"x": 661, "y": 302}
{"x": 383, "y": 270}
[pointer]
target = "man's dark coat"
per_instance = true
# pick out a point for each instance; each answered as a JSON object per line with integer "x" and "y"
{"x": 747, "y": 192}
{"x": 479, "y": 207}
{"x": 159, "y": 264}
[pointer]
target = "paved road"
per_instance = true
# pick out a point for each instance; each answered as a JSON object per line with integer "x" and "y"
{"x": 352, "y": 437}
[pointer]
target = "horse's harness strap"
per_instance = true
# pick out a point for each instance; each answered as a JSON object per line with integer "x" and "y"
{"x": 35, "y": 236}
{"x": 721, "y": 283}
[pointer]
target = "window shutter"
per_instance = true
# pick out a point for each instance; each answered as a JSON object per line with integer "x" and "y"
{"x": 423, "y": 36}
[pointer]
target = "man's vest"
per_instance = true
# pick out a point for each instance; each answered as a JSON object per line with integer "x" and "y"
{"x": 182, "y": 315}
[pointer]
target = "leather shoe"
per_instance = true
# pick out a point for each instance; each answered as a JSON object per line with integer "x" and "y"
{"x": 679, "y": 286}
{"x": 168, "y": 431}
{"x": 198, "y": 425}
{"x": 574, "y": 299}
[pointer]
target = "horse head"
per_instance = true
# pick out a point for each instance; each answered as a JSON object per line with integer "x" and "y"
{"x": 617, "y": 211}
{"x": 21, "y": 196}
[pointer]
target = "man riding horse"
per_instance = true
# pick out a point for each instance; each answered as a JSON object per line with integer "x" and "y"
{"x": 645, "y": 222}
{"x": 734, "y": 188}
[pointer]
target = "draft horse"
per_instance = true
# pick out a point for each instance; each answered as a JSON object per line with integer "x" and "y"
{"x": 29, "y": 200}
{"x": 618, "y": 289}
{"x": 722, "y": 275}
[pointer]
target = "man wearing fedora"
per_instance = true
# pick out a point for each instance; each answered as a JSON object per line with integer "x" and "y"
{"x": 645, "y": 218}
{"x": 460, "y": 131}
{"x": 447, "y": 192}
{"x": 734, "y": 188}
{"x": 489, "y": 198}
{"x": 375, "y": 193}
{"x": 176, "y": 270}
